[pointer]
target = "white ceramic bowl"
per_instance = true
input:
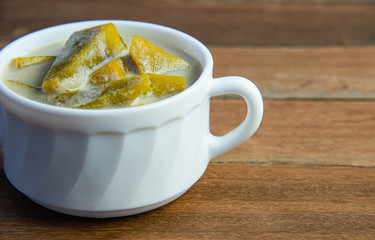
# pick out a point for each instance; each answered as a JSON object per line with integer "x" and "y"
{"x": 109, "y": 163}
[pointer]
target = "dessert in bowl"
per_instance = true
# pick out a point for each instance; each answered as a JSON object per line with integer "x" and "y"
{"x": 122, "y": 160}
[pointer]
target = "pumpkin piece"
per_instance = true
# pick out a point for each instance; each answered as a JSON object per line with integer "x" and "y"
{"x": 24, "y": 85}
{"x": 149, "y": 58}
{"x": 22, "y": 62}
{"x": 83, "y": 51}
{"x": 114, "y": 70}
{"x": 164, "y": 85}
{"x": 61, "y": 99}
{"x": 119, "y": 92}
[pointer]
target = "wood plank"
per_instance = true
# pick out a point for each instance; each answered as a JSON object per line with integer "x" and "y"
{"x": 317, "y": 72}
{"x": 302, "y": 132}
{"x": 213, "y": 22}
{"x": 272, "y": 2}
{"x": 231, "y": 201}
{"x": 3, "y": 43}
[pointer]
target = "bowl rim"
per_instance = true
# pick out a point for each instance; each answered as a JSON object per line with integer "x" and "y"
{"x": 11, "y": 97}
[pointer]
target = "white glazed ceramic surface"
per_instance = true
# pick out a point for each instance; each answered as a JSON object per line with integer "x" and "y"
{"x": 108, "y": 163}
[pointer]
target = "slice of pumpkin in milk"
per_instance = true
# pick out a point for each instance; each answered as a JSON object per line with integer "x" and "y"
{"x": 22, "y": 62}
{"x": 149, "y": 58}
{"x": 83, "y": 51}
{"x": 119, "y": 92}
{"x": 165, "y": 85}
{"x": 113, "y": 70}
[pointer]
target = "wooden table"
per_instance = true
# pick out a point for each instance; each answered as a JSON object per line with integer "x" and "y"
{"x": 308, "y": 173}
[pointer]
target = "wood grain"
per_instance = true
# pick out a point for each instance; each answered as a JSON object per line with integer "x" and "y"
{"x": 309, "y": 170}
{"x": 213, "y": 22}
{"x": 302, "y": 132}
{"x": 314, "y": 72}
{"x": 3, "y": 43}
{"x": 230, "y": 201}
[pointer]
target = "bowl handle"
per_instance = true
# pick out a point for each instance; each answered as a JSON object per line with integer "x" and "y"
{"x": 250, "y": 93}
